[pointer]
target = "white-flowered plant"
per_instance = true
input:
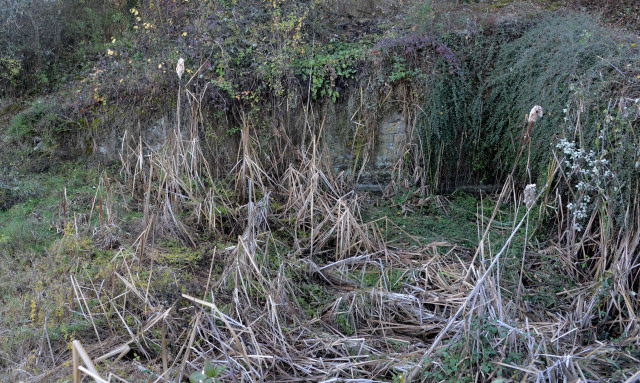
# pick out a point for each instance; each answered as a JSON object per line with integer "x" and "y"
{"x": 590, "y": 175}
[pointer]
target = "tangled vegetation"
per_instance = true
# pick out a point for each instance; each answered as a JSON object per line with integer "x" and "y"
{"x": 235, "y": 249}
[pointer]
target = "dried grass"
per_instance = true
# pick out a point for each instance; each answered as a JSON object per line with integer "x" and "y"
{"x": 430, "y": 304}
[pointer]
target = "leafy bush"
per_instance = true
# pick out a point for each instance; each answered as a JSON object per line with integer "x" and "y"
{"x": 564, "y": 62}
{"x": 327, "y": 65}
{"x": 473, "y": 120}
{"x": 36, "y": 118}
{"x": 45, "y": 43}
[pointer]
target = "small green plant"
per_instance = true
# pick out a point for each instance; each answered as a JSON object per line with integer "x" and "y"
{"x": 312, "y": 298}
{"x": 328, "y": 65}
{"x": 345, "y": 324}
{"x": 344, "y": 319}
{"x": 208, "y": 374}
{"x": 401, "y": 71}
{"x": 455, "y": 362}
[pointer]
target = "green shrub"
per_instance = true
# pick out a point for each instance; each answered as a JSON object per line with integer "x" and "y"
{"x": 46, "y": 43}
{"x": 563, "y": 63}
{"x": 36, "y": 118}
{"x": 473, "y": 119}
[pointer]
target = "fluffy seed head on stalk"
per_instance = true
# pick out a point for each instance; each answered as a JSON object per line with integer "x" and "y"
{"x": 180, "y": 68}
{"x": 536, "y": 112}
{"x": 530, "y": 194}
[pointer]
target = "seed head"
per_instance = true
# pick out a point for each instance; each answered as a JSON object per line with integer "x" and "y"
{"x": 180, "y": 68}
{"x": 530, "y": 194}
{"x": 536, "y": 112}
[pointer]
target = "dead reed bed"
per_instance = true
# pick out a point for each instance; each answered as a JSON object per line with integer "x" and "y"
{"x": 310, "y": 291}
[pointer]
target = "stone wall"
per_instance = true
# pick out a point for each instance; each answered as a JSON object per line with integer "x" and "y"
{"x": 365, "y": 150}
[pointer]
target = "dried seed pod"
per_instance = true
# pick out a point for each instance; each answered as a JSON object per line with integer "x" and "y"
{"x": 180, "y": 68}
{"x": 536, "y": 112}
{"x": 530, "y": 194}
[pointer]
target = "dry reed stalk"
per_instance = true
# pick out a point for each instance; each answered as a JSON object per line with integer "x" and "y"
{"x": 529, "y": 199}
{"x": 179, "y": 71}
{"x": 530, "y": 120}
{"x": 80, "y": 353}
